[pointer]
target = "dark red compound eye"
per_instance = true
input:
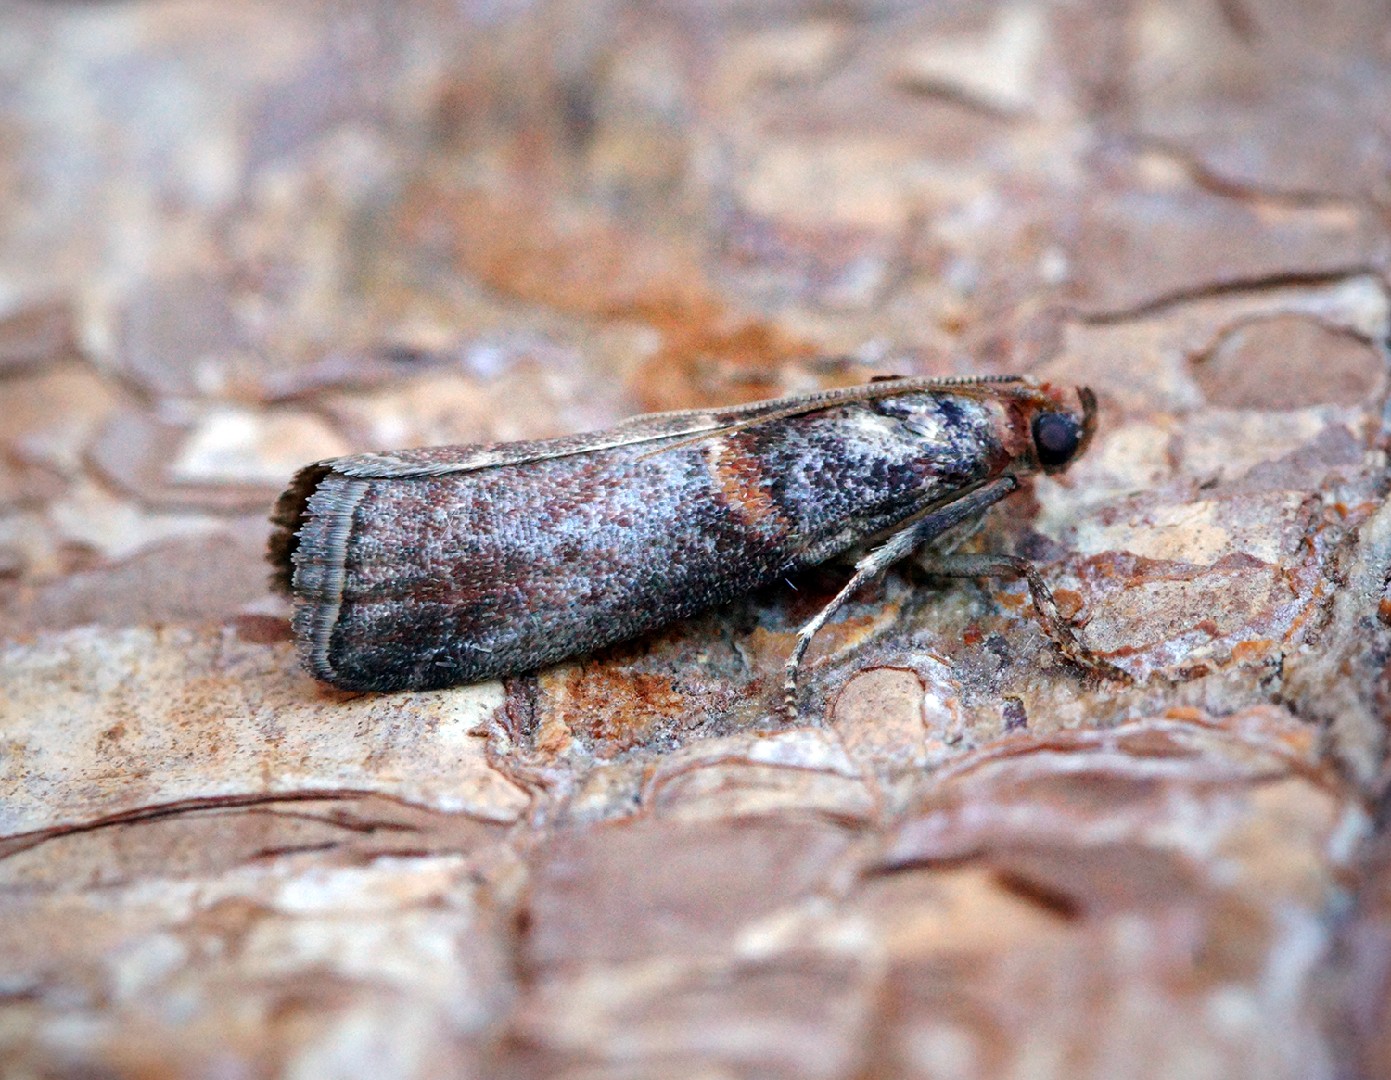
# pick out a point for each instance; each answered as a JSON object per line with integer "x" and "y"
{"x": 1057, "y": 436}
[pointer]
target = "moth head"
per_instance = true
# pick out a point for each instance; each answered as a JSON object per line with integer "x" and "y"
{"x": 1060, "y": 435}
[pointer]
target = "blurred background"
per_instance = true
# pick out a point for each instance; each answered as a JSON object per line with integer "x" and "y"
{"x": 239, "y": 237}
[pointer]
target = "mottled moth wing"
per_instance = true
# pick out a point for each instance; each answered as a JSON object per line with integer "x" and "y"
{"x": 432, "y": 567}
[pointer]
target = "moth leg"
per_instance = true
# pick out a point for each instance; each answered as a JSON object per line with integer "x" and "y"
{"x": 1058, "y": 629}
{"x": 873, "y": 565}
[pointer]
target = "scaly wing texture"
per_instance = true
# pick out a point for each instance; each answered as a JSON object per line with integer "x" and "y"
{"x": 417, "y": 581}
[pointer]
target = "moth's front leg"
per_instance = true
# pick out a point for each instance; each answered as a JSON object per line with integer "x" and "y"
{"x": 873, "y": 565}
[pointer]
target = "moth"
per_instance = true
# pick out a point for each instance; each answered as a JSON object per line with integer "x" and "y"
{"x": 420, "y": 569}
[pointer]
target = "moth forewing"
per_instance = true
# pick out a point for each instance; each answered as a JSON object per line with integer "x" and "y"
{"x": 428, "y": 568}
